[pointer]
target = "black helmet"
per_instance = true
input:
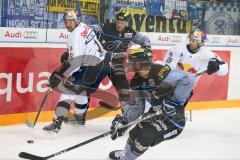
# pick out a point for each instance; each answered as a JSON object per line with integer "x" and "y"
{"x": 122, "y": 15}
{"x": 139, "y": 55}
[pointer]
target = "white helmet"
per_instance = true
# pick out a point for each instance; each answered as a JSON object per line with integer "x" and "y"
{"x": 199, "y": 36}
{"x": 72, "y": 15}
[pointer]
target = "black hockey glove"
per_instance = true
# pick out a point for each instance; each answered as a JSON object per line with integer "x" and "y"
{"x": 54, "y": 79}
{"x": 118, "y": 58}
{"x": 64, "y": 57}
{"x": 116, "y": 123}
{"x": 213, "y": 65}
{"x": 57, "y": 76}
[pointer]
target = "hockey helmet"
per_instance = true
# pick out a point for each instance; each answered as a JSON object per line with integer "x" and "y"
{"x": 199, "y": 36}
{"x": 141, "y": 56}
{"x": 122, "y": 15}
{"x": 72, "y": 15}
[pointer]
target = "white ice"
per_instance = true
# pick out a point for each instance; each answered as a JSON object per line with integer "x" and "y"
{"x": 212, "y": 134}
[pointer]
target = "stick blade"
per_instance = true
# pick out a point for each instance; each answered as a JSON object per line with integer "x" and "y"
{"x": 26, "y": 155}
{"x": 29, "y": 123}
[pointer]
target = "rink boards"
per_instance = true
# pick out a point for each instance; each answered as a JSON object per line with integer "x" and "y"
{"x": 25, "y": 68}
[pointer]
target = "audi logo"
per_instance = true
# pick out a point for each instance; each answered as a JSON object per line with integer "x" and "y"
{"x": 176, "y": 38}
{"x": 30, "y": 34}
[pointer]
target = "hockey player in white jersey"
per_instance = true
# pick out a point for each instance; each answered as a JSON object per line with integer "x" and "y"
{"x": 84, "y": 66}
{"x": 195, "y": 58}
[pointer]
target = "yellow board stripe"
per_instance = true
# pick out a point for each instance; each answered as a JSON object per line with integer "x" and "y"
{"x": 93, "y": 113}
{"x": 213, "y": 104}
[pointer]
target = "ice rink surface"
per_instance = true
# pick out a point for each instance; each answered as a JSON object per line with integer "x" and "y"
{"x": 212, "y": 134}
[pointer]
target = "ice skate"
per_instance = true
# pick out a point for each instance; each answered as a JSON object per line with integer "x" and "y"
{"x": 117, "y": 155}
{"x": 79, "y": 119}
{"x": 55, "y": 126}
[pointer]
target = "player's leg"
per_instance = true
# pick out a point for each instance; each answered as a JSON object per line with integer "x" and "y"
{"x": 143, "y": 136}
{"x": 61, "y": 112}
{"x": 90, "y": 77}
{"x": 81, "y": 105}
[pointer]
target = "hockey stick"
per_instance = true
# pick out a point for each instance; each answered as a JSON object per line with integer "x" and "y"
{"x": 200, "y": 73}
{"x": 34, "y": 157}
{"x": 112, "y": 108}
{"x": 28, "y": 122}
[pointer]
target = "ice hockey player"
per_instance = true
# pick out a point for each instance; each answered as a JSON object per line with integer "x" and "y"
{"x": 84, "y": 52}
{"x": 117, "y": 37}
{"x": 195, "y": 58}
{"x": 159, "y": 89}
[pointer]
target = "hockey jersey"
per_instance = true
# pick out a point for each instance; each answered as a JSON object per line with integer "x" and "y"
{"x": 115, "y": 41}
{"x": 179, "y": 57}
{"x": 84, "y": 48}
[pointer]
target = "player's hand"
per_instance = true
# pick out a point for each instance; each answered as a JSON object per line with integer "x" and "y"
{"x": 117, "y": 122}
{"x": 54, "y": 80}
{"x": 213, "y": 65}
{"x": 64, "y": 57}
{"x": 118, "y": 58}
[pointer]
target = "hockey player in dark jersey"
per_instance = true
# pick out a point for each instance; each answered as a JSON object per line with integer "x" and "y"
{"x": 156, "y": 88}
{"x": 117, "y": 37}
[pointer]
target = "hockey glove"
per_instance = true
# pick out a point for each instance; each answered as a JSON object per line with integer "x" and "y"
{"x": 213, "y": 65}
{"x": 58, "y": 75}
{"x": 64, "y": 57}
{"x": 54, "y": 79}
{"x": 118, "y": 58}
{"x": 116, "y": 123}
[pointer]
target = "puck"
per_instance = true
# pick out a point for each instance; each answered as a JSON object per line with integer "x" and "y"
{"x": 30, "y": 141}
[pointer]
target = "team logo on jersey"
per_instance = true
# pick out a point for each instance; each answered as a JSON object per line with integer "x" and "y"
{"x": 85, "y": 31}
{"x": 187, "y": 67}
{"x": 128, "y": 35}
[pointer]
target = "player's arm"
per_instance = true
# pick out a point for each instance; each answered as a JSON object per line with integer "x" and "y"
{"x": 64, "y": 57}
{"x": 216, "y": 64}
{"x": 142, "y": 40}
{"x": 97, "y": 28}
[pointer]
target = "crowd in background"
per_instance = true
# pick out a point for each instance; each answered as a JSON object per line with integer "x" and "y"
{"x": 167, "y": 16}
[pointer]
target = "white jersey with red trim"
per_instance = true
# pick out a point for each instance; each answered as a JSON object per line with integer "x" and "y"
{"x": 179, "y": 57}
{"x": 84, "y": 48}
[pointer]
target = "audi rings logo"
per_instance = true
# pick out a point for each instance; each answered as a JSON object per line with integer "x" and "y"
{"x": 30, "y": 35}
{"x": 176, "y": 38}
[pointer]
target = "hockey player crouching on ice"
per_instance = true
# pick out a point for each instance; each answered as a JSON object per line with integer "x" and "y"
{"x": 85, "y": 65}
{"x": 156, "y": 88}
{"x": 117, "y": 37}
